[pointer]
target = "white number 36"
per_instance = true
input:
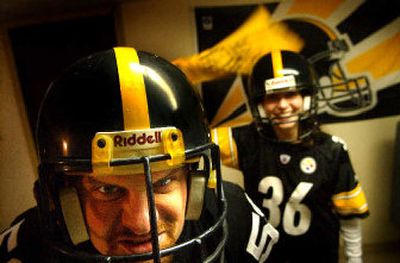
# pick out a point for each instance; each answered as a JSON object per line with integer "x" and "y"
{"x": 291, "y": 225}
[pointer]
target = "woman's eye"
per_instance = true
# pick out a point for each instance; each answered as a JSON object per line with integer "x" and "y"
{"x": 271, "y": 97}
{"x": 291, "y": 94}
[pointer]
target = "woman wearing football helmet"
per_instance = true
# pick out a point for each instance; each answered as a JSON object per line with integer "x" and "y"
{"x": 301, "y": 177}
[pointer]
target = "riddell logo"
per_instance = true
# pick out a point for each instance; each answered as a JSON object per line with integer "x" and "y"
{"x": 279, "y": 81}
{"x": 141, "y": 139}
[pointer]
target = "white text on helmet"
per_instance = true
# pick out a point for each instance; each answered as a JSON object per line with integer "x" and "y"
{"x": 285, "y": 83}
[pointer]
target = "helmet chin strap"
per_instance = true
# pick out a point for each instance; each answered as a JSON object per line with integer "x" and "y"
{"x": 261, "y": 111}
{"x": 306, "y": 103}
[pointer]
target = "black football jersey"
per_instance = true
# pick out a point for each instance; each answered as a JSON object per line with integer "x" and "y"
{"x": 303, "y": 190}
{"x": 250, "y": 238}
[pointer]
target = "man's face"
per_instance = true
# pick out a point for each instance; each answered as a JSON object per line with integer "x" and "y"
{"x": 283, "y": 107}
{"x": 117, "y": 213}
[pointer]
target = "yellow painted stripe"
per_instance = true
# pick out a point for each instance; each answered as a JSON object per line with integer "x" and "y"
{"x": 133, "y": 90}
{"x": 277, "y": 64}
{"x": 318, "y": 8}
{"x": 242, "y": 119}
{"x": 233, "y": 100}
{"x": 380, "y": 60}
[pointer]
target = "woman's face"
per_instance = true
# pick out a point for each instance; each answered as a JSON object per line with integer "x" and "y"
{"x": 283, "y": 108}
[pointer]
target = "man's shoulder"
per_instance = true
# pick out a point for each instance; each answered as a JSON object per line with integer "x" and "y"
{"x": 232, "y": 188}
{"x": 250, "y": 236}
{"x": 239, "y": 202}
{"x": 22, "y": 240}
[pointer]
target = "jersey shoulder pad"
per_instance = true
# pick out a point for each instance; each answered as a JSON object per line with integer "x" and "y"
{"x": 339, "y": 140}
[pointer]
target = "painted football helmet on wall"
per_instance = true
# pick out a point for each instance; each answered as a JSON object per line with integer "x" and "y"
{"x": 127, "y": 111}
{"x": 339, "y": 94}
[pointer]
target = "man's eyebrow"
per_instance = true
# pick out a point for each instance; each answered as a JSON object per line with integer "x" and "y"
{"x": 161, "y": 177}
{"x": 93, "y": 181}
{"x": 171, "y": 172}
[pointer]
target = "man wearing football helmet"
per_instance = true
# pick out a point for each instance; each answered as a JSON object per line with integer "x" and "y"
{"x": 300, "y": 176}
{"x": 128, "y": 173}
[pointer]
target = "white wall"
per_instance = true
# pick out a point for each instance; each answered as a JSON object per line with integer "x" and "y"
{"x": 371, "y": 148}
{"x": 168, "y": 28}
{"x": 17, "y": 154}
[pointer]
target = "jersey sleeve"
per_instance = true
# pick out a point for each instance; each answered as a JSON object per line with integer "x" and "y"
{"x": 349, "y": 199}
{"x": 222, "y": 136}
{"x": 251, "y": 238}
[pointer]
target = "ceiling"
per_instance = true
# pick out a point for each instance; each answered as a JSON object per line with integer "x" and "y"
{"x": 15, "y": 10}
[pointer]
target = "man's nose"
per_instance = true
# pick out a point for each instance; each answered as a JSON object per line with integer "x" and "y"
{"x": 135, "y": 213}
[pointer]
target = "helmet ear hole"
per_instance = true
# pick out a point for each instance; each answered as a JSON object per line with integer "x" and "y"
{"x": 197, "y": 185}
{"x": 73, "y": 217}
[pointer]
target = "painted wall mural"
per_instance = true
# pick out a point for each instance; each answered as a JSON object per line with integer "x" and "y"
{"x": 354, "y": 45}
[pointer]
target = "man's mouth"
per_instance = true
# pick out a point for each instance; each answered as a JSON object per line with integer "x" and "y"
{"x": 133, "y": 247}
{"x": 137, "y": 245}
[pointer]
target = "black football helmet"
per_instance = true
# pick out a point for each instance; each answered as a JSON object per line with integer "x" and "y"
{"x": 122, "y": 109}
{"x": 283, "y": 71}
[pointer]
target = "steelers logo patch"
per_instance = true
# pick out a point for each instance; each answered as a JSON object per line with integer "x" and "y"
{"x": 308, "y": 165}
{"x": 284, "y": 158}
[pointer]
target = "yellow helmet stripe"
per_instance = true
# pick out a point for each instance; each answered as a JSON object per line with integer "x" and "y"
{"x": 277, "y": 63}
{"x": 133, "y": 90}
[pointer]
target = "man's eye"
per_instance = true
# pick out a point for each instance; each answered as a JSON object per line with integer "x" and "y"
{"x": 163, "y": 182}
{"x": 108, "y": 192}
{"x": 108, "y": 189}
{"x": 164, "y": 185}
